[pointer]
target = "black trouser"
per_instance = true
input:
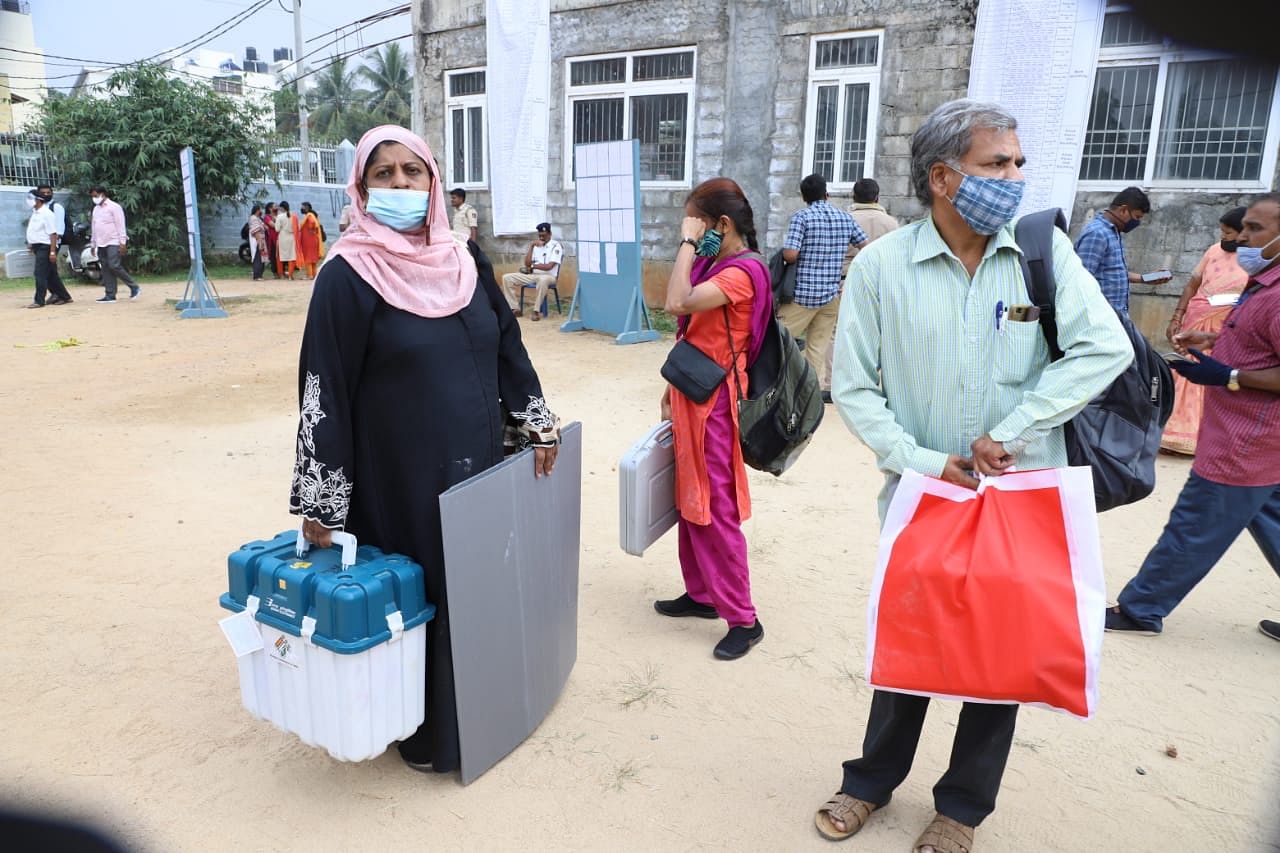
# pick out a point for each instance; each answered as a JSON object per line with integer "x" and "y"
{"x": 967, "y": 791}
{"x": 112, "y": 269}
{"x": 56, "y": 287}
{"x": 258, "y": 262}
{"x": 46, "y": 273}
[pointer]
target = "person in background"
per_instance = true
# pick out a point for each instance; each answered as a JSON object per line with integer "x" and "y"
{"x": 42, "y": 241}
{"x": 110, "y": 242}
{"x": 719, "y": 288}
{"x": 874, "y": 221}
{"x": 56, "y": 287}
{"x": 412, "y": 378}
{"x": 310, "y": 241}
{"x": 817, "y": 238}
{"x": 541, "y": 267}
{"x": 286, "y": 241}
{"x": 465, "y": 219}
{"x": 1102, "y": 253}
{"x": 344, "y": 219}
{"x": 931, "y": 377}
{"x": 1234, "y": 483}
{"x": 257, "y": 241}
{"x": 269, "y": 223}
{"x": 1217, "y": 275}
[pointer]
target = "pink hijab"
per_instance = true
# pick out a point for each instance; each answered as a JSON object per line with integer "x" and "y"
{"x": 428, "y": 273}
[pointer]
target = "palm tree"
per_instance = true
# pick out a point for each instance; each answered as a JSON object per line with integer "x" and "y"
{"x": 388, "y": 75}
{"x": 335, "y": 98}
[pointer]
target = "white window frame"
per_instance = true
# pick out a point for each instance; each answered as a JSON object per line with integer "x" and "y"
{"x": 466, "y": 102}
{"x": 627, "y": 90}
{"x": 840, "y": 77}
{"x": 1164, "y": 55}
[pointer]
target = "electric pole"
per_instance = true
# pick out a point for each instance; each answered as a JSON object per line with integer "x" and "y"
{"x": 304, "y": 135}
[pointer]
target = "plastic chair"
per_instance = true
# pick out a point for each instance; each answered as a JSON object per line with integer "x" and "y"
{"x": 551, "y": 289}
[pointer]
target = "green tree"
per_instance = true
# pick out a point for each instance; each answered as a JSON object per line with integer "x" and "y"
{"x": 129, "y": 142}
{"x": 388, "y": 75}
{"x": 284, "y": 101}
{"x": 336, "y": 104}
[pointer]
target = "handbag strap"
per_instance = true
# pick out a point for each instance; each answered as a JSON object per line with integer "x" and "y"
{"x": 733, "y": 367}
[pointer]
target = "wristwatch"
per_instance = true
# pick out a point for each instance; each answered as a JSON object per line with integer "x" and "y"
{"x": 1233, "y": 382}
{"x": 692, "y": 242}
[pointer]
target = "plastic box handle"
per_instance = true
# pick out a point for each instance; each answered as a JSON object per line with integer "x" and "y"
{"x": 346, "y": 540}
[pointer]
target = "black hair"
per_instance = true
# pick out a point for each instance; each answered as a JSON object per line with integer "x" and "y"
{"x": 284, "y": 205}
{"x": 257, "y": 208}
{"x": 459, "y": 192}
{"x": 1132, "y": 198}
{"x": 1233, "y": 218}
{"x": 813, "y": 188}
{"x": 306, "y": 205}
{"x": 866, "y": 191}
{"x": 723, "y": 197}
{"x": 99, "y": 189}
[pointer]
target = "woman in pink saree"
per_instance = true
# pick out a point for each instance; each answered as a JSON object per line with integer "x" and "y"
{"x": 1217, "y": 275}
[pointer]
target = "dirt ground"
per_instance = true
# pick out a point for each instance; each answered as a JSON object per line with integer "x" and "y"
{"x": 136, "y": 460}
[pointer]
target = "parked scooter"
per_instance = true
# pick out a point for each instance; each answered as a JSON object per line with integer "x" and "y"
{"x": 80, "y": 257}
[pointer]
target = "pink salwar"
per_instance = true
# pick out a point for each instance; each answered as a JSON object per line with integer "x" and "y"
{"x": 713, "y": 557}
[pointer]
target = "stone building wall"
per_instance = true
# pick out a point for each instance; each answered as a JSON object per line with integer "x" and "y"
{"x": 752, "y": 83}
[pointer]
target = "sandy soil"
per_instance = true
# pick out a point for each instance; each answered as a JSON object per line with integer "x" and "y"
{"x": 135, "y": 461}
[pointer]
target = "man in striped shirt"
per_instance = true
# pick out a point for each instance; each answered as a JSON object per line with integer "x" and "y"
{"x": 1235, "y": 482}
{"x": 934, "y": 372}
{"x": 817, "y": 238}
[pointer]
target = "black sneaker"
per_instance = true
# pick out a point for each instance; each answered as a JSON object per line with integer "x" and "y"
{"x": 135, "y": 293}
{"x": 1271, "y": 629}
{"x": 739, "y": 641}
{"x": 826, "y": 397}
{"x": 684, "y": 606}
{"x": 105, "y": 299}
{"x": 1118, "y": 620}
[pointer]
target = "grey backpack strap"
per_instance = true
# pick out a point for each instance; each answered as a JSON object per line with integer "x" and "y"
{"x": 1034, "y": 234}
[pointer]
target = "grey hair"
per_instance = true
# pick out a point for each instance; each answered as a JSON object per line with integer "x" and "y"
{"x": 946, "y": 135}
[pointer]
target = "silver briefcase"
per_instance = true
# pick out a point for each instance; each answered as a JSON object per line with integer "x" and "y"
{"x": 647, "y": 490}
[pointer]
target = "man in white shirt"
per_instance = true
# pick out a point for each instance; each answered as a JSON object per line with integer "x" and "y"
{"x": 42, "y": 239}
{"x": 541, "y": 268}
{"x": 60, "y": 223}
{"x": 466, "y": 221}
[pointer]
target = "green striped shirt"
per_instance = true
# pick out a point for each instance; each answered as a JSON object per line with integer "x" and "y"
{"x": 921, "y": 370}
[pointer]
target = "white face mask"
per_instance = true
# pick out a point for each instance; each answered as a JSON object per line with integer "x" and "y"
{"x": 31, "y": 201}
{"x": 97, "y": 199}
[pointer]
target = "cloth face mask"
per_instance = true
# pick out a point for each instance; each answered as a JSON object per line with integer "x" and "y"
{"x": 1130, "y": 225}
{"x": 709, "y": 245}
{"x": 1251, "y": 260}
{"x": 403, "y": 210}
{"x": 1229, "y": 245}
{"x": 987, "y": 204}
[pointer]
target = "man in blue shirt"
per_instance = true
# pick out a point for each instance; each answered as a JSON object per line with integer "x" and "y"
{"x": 816, "y": 241}
{"x": 1100, "y": 250}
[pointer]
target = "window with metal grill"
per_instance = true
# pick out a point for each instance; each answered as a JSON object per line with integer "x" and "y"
{"x": 466, "y": 143}
{"x": 1164, "y": 114}
{"x": 843, "y": 107}
{"x": 647, "y": 96}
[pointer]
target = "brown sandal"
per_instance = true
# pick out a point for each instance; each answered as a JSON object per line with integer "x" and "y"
{"x": 850, "y": 811}
{"x": 946, "y": 836}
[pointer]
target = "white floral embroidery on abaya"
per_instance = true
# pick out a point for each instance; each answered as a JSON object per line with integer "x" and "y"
{"x": 326, "y": 494}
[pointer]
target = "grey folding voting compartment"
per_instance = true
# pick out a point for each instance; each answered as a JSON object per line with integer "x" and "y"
{"x": 511, "y": 565}
{"x": 647, "y": 490}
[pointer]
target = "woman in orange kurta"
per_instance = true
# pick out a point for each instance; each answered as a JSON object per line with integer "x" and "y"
{"x": 719, "y": 288}
{"x": 310, "y": 244}
{"x": 1217, "y": 274}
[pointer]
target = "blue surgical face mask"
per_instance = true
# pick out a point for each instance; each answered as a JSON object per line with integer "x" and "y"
{"x": 987, "y": 204}
{"x": 403, "y": 210}
{"x": 1251, "y": 260}
{"x": 709, "y": 245}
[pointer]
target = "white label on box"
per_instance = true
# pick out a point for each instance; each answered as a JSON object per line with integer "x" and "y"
{"x": 241, "y": 631}
{"x": 286, "y": 650}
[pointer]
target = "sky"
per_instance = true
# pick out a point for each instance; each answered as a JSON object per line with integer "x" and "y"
{"x": 120, "y": 31}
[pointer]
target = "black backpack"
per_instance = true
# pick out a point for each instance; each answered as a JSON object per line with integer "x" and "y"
{"x": 68, "y": 234}
{"x": 783, "y": 405}
{"x": 1118, "y": 433}
{"x": 782, "y": 275}
{"x": 244, "y": 231}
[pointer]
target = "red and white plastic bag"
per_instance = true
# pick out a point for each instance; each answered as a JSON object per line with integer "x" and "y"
{"x": 994, "y": 595}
